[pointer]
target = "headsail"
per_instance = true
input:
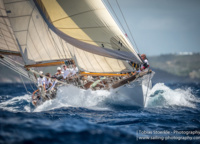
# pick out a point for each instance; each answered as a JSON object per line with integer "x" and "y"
{"x": 8, "y": 44}
{"x": 37, "y": 42}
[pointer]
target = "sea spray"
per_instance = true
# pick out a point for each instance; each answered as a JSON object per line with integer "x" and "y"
{"x": 159, "y": 96}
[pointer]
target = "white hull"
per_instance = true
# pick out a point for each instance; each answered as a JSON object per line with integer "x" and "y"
{"x": 136, "y": 92}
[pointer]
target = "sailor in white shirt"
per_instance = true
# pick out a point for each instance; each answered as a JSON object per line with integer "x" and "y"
{"x": 74, "y": 70}
{"x": 66, "y": 72}
{"x": 48, "y": 82}
{"x": 54, "y": 82}
{"x": 40, "y": 80}
{"x": 41, "y": 84}
{"x": 59, "y": 73}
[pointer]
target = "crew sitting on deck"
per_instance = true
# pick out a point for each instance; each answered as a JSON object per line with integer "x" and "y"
{"x": 54, "y": 82}
{"x": 145, "y": 64}
{"x": 48, "y": 82}
{"x": 74, "y": 70}
{"x": 41, "y": 80}
{"x": 59, "y": 74}
{"x": 66, "y": 72}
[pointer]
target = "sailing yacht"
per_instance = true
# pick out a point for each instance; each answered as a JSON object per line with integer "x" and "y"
{"x": 47, "y": 33}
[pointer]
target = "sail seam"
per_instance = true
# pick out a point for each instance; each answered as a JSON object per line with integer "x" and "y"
{"x": 75, "y": 15}
{"x": 89, "y": 60}
{"x": 108, "y": 64}
{"x": 98, "y": 63}
{"x": 85, "y": 27}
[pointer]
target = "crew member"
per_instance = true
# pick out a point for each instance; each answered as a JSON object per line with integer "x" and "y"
{"x": 145, "y": 64}
{"x": 48, "y": 82}
{"x": 59, "y": 73}
{"x": 66, "y": 71}
{"x": 41, "y": 80}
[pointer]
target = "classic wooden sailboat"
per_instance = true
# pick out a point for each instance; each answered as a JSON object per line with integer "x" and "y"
{"x": 45, "y": 33}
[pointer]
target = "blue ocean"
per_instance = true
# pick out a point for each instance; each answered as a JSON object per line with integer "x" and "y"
{"x": 171, "y": 115}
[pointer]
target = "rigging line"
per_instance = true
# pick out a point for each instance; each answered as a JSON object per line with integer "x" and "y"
{"x": 66, "y": 48}
{"x": 62, "y": 46}
{"x": 125, "y": 41}
{"x": 15, "y": 65}
{"x": 14, "y": 61}
{"x": 31, "y": 39}
{"x": 127, "y": 26}
{"x": 19, "y": 69}
{"x": 51, "y": 40}
{"x": 77, "y": 53}
{"x": 14, "y": 68}
{"x": 24, "y": 84}
{"x": 55, "y": 45}
{"x": 116, "y": 16}
{"x": 46, "y": 49}
{"x": 32, "y": 82}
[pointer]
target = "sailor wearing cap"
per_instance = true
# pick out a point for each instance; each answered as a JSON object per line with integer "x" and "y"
{"x": 59, "y": 73}
{"x": 41, "y": 80}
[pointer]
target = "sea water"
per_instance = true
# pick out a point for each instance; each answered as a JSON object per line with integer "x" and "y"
{"x": 171, "y": 115}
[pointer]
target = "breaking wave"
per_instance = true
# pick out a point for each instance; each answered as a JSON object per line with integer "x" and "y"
{"x": 160, "y": 96}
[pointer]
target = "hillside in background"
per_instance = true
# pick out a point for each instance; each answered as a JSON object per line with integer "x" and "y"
{"x": 181, "y": 65}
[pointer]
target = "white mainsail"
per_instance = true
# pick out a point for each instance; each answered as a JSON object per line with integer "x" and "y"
{"x": 79, "y": 29}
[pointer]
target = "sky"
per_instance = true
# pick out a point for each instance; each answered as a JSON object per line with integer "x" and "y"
{"x": 161, "y": 26}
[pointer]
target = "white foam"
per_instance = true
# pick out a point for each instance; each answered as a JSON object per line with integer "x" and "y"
{"x": 17, "y": 104}
{"x": 161, "y": 95}
{"x": 74, "y": 97}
